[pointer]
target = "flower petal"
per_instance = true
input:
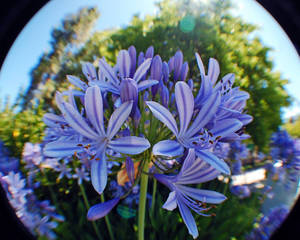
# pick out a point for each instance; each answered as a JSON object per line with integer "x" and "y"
{"x": 77, "y": 122}
{"x": 178, "y": 60}
{"x": 102, "y": 209}
{"x": 145, "y": 84}
{"x": 118, "y": 118}
{"x": 89, "y": 71}
{"x": 123, "y": 62}
{"x": 188, "y": 218}
{"x": 185, "y": 105}
{"x": 206, "y": 196}
{"x": 205, "y": 115}
{"x": 99, "y": 173}
{"x": 132, "y": 54}
{"x": 129, "y": 145}
{"x": 61, "y": 148}
{"x": 108, "y": 71}
{"x": 142, "y": 69}
{"x": 167, "y": 148}
{"x": 171, "y": 202}
{"x": 163, "y": 114}
{"x": 200, "y": 64}
{"x": 213, "y": 70}
{"x": 213, "y": 160}
{"x": 184, "y": 71}
{"x": 130, "y": 169}
{"x": 94, "y": 108}
{"x": 156, "y": 68}
{"x": 226, "y": 127}
{"x": 77, "y": 82}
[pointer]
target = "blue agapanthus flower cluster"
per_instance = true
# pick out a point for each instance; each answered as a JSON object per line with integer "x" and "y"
{"x": 267, "y": 224}
{"x": 143, "y": 110}
{"x": 285, "y": 151}
{"x": 7, "y": 163}
{"x": 38, "y": 216}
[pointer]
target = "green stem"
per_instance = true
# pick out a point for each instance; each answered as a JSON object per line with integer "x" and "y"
{"x": 87, "y": 205}
{"x": 142, "y": 202}
{"x": 111, "y": 235}
{"x": 153, "y": 194}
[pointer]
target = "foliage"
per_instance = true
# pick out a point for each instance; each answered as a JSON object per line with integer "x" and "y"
{"x": 293, "y": 127}
{"x": 17, "y": 128}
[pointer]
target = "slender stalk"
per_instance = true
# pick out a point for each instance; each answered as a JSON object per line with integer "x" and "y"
{"x": 153, "y": 194}
{"x": 142, "y": 202}
{"x": 87, "y": 205}
{"x": 108, "y": 225}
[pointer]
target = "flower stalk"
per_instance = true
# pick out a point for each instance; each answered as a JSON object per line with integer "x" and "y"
{"x": 142, "y": 202}
{"x": 87, "y": 205}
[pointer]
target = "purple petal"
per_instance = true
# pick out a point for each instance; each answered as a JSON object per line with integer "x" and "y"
{"x": 61, "y": 148}
{"x": 52, "y": 120}
{"x": 163, "y": 114}
{"x": 191, "y": 84}
{"x": 142, "y": 69}
{"x": 184, "y": 71}
{"x": 165, "y": 72}
{"x": 206, "y": 196}
{"x": 213, "y": 70}
{"x": 89, "y": 71}
{"x": 200, "y": 64}
{"x": 145, "y": 84}
{"x": 185, "y": 105}
{"x": 77, "y": 82}
{"x": 129, "y": 91}
{"x": 77, "y": 122}
{"x": 167, "y": 148}
{"x": 130, "y": 169}
{"x": 129, "y": 145}
{"x": 132, "y": 54}
{"x": 164, "y": 97}
{"x": 141, "y": 58}
{"x": 108, "y": 72}
{"x": 205, "y": 91}
{"x": 123, "y": 62}
{"x": 156, "y": 68}
{"x": 171, "y": 64}
{"x": 245, "y": 119}
{"x": 118, "y": 118}
{"x": 205, "y": 115}
{"x": 213, "y": 160}
{"x": 94, "y": 108}
{"x": 178, "y": 60}
{"x": 99, "y": 173}
{"x": 187, "y": 218}
{"x": 149, "y": 52}
{"x": 226, "y": 127}
{"x": 102, "y": 209}
{"x": 171, "y": 202}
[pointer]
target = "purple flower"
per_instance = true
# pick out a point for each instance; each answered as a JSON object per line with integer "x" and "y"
{"x": 81, "y": 174}
{"x": 129, "y": 89}
{"x": 95, "y": 139}
{"x": 194, "y": 136}
{"x": 232, "y": 100}
{"x": 241, "y": 191}
{"x": 102, "y": 209}
{"x": 193, "y": 171}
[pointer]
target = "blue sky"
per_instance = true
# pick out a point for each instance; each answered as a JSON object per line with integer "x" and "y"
{"x": 34, "y": 39}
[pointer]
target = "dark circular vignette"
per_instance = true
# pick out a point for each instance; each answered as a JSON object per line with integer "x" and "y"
{"x": 15, "y": 14}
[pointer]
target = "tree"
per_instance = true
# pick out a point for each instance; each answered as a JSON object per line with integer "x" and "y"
{"x": 73, "y": 32}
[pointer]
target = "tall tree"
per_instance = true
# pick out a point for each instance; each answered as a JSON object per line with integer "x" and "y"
{"x": 73, "y": 32}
